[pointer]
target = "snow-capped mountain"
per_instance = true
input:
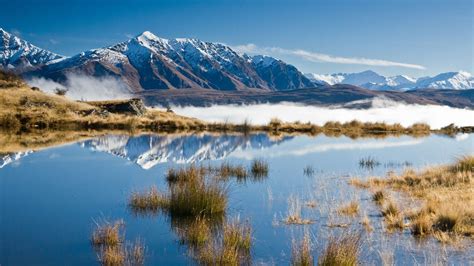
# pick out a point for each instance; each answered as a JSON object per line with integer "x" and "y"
{"x": 150, "y": 62}
{"x": 451, "y": 80}
{"x": 19, "y": 55}
{"x": 371, "y": 80}
{"x": 150, "y": 150}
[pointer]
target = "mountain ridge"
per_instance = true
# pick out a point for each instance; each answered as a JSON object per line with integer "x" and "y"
{"x": 369, "y": 79}
{"x": 148, "y": 62}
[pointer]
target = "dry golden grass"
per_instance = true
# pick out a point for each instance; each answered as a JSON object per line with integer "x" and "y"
{"x": 108, "y": 234}
{"x": 24, "y": 108}
{"x": 294, "y": 212}
{"x": 197, "y": 233}
{"x": 147, "y": 202}
{"x": 350, "y": 209}
{"x": 342, "y": 250}
{"x": 366, "y": 223}
{"x": 108, "y": 240}
{"x": 446, "y": 193}
{"x": 239, "y": 235}
{"x": 379, "y": 197}
{"x": 126, "y": 255}
{"x": 233, "y": 248}
{"x": 301, "y": 252}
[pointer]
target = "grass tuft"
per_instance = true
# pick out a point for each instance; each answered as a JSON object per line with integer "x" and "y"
{"x": 343, "y": 250}
{"x": 108, "y": 234}
{"x": 301, "y": 252}
{"x": 259, "y": 168}
{"x": 150, "y": 201}
{"x": 379, "y": 197}
{"x": 351, "y": 208}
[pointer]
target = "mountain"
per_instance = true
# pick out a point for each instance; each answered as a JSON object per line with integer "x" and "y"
{"x": 278, "y": 74}
{"x": 19, "y": 55}
{"x": 147, "y": 62}
{"x": 338, "y": 95}
{"x": 370, "y": 80}
{"x": 451, "y": 80}
{"x": 150, "y": 150}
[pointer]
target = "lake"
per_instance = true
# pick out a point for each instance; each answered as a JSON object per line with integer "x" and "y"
{"x": 50, "y": 199}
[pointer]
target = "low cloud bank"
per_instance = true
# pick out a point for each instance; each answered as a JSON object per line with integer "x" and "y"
{"x": 382, "y": 111}
{"x": 81, "y": 87}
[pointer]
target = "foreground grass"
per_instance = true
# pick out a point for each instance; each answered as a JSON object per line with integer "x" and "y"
{"x": 301, "y": 252}
{"x": 341, "y": 250}
{"x": 109, "y": 241}
{"x": 446, "y": 193}
{"x": 231, "y": 248}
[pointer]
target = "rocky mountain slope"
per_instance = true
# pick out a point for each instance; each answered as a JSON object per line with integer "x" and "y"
{"x": 19, "y": 55}
{"x": 148, "y": 62}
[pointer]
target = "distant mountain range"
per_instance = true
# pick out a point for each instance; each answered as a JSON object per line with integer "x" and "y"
{"x": 370, "y": 80}
{"x": 147, "y": 62}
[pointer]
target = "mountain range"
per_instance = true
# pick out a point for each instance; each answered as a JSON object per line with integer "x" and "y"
{"x": 147, "y": 62}
{"x": 370, "y": 80}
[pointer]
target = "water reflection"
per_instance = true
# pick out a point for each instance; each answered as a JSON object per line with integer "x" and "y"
{"x": 149, "y": 150}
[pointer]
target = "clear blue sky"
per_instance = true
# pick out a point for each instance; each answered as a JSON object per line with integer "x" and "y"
{"x": 434, "y": 34}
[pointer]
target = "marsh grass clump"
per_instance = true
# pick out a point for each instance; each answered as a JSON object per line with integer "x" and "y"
{"x": 351, "y": 208}
{"x": 259, "y": 168}
{"x": 197, "y": 233}
{"x": 233, "y": 247}
{"x": 127, "y": 255}
{"x": 421, "y": 224}
{"x": 342, "y": 250}
{"x": 226, "y": 170}
{"x": 108, "y": 239}
{"x": 150, "y": 201}
{"x": 197, "y": 196}
{"x": 448, "y": 221}
{"x": 301, "y": 252}
{"x": 379, "y": 197}
{"x": 390, "y": 209}
{"x": 239, "y": 235}
{"x": 294, "y": 212}
{"x": 191, "y": 172}
{"x": 463, "y": 164}
{"x": 366, "y": 223}
{"x": 108, "y": 234}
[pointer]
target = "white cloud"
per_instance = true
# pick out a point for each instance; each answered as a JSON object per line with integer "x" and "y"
{"x": 382, "y": 111}
{"x": 318, "y": 57}
{"x": 82, "y": 87}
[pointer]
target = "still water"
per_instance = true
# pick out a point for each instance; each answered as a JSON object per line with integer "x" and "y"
{"x": 49, "y": 199}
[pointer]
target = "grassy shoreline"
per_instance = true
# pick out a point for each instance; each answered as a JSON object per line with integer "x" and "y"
{"x": 25, "y": 110}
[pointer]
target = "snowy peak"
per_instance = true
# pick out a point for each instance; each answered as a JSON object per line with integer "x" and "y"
{"x": 371, "y": 80}
{"x": 17, "y": 54}
{"x": 148, "y": 62}
{"x": 451, "y": 80}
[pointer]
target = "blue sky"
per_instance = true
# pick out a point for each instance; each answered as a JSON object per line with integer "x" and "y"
{"x": 414, "y": 37}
